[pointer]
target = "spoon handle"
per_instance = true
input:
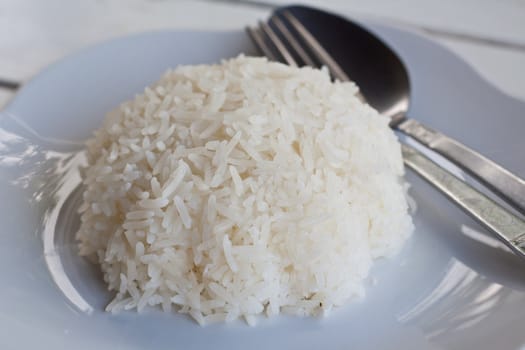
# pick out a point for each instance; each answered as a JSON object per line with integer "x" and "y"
{"x": 498, "y": 179}
{"x": 507, "y": 227}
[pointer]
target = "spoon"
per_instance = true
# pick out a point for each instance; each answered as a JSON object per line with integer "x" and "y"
{"x": 384, "y": 81}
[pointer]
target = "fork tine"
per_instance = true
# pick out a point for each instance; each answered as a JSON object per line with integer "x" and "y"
{"x": 258, "y": 39}
{"x": 283, "y": 30}
{"x": 320, "y": 53}
{"x": 274, "y": 39}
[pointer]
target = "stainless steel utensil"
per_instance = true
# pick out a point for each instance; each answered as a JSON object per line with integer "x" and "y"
{"x": 384, "y": 81}
{"x": 277, "y": 42}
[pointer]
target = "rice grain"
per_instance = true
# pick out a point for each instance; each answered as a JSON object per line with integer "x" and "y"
{"x": 240, "y": 189}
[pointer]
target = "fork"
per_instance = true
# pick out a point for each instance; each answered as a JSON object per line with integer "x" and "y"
{"x": 293, "y": 44}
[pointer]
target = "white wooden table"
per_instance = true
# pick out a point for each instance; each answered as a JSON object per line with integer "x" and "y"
{"x": 490, "y": 35}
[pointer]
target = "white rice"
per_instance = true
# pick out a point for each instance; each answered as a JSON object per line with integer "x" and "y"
{"x": 241, "y": 189}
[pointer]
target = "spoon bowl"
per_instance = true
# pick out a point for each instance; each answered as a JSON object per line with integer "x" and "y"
{"x": 378, "y": 70}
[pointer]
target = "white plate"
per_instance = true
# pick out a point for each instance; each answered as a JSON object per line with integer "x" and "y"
{"x": 447, "y": 288}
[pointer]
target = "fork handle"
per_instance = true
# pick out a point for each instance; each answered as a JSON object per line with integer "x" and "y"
{"x": 507, "y": 227}
{"x": 498, "y": 179}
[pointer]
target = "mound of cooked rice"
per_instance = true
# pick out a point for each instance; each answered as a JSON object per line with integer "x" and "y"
{"x": 242, "y": 188}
